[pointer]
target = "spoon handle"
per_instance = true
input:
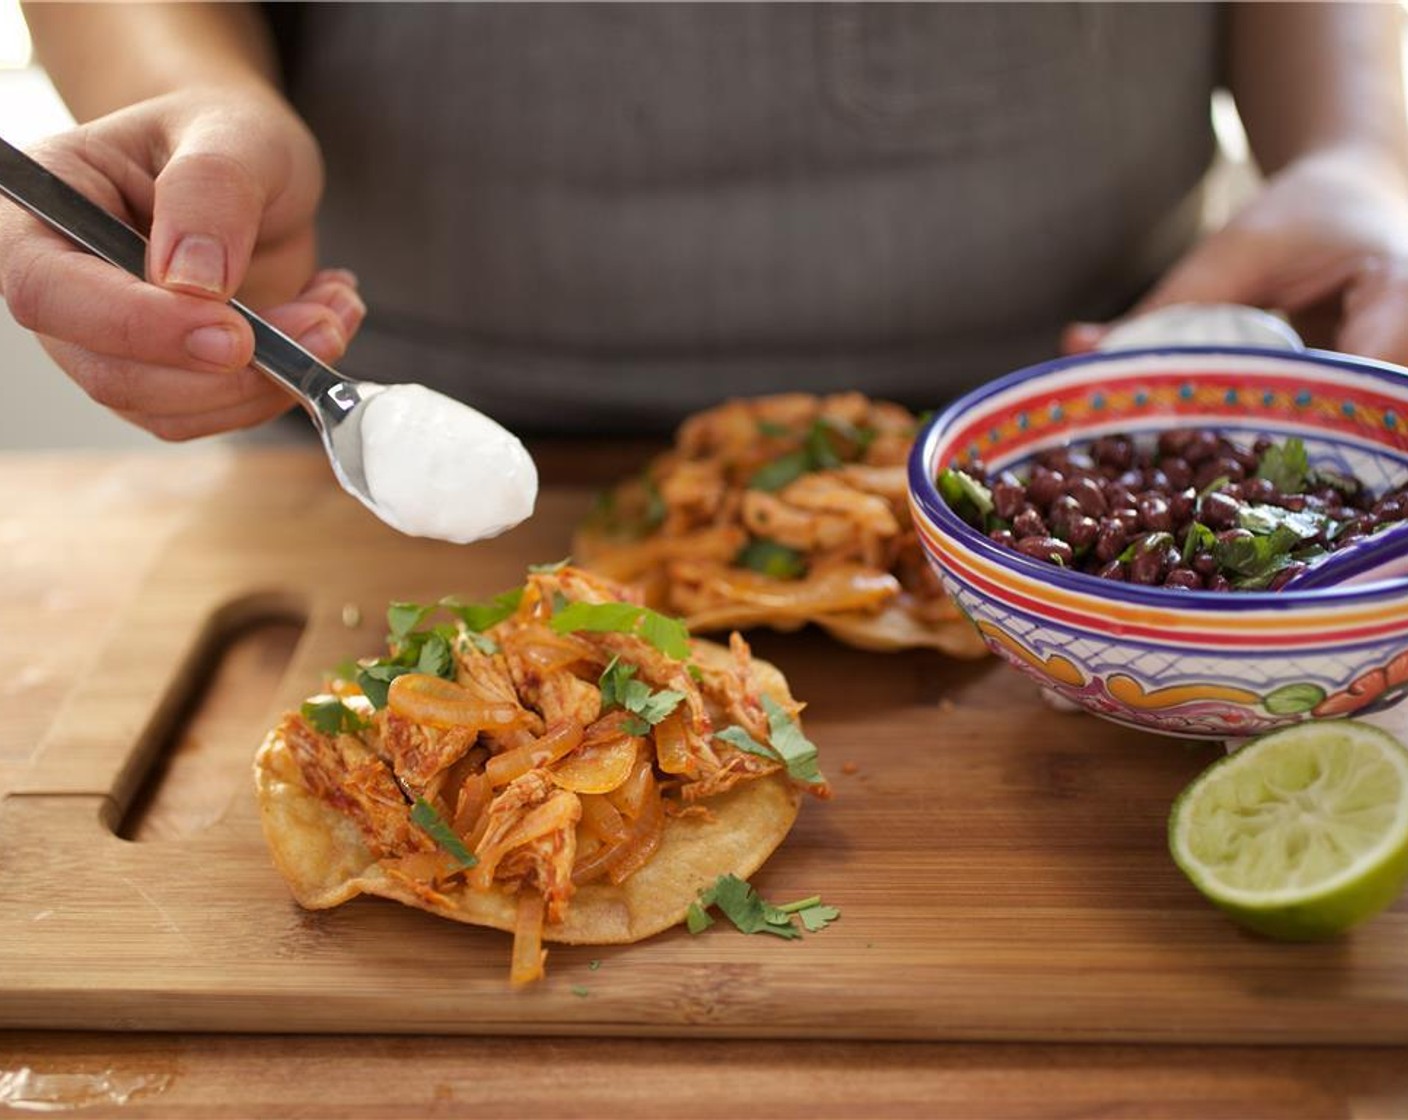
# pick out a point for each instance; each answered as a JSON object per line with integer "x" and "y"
{"x": 88, "y": 225}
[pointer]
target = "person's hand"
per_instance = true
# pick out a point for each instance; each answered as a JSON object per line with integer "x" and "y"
{"x": 1325, "y": 242}
{"x": 225, "y": 182}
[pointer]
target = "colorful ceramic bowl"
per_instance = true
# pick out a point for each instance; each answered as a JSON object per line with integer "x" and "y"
{"x": 1200, "y": 664}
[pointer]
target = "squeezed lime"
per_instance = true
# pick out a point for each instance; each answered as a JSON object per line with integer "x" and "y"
{"x": 1303, "y": 832}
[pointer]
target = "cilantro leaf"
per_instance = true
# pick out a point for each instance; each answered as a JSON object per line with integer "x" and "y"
{"x": 771, "y": 559}
{"x": 697, "y": 918}
{"x": 1286, "y": 466}
{"x": 1199, "y": 539}
{"x": 780, "y": 472}
{"x": 332, "y": 717}
{"x": 482, "y": 642}
{"x": 430, "y": 822}
{"x": 480, "y": 616}
{"x": 773, "y": 429}
{"x": 375, "y": 680}
{"x": 620, "y": 689}
{"x": 797, "y": 751}
{"x": 435, "y": 658}
{"x": 402, "y": 618}
{"x": 1256, "y": 559}
{"x": 959, "y": 488}
{"x": 750, "y": 913}
{"x": 668, "y": 635}
{"x": 818, "y": 917}
{"x": 736, "y": 736}
{"x": 550, "y": 569}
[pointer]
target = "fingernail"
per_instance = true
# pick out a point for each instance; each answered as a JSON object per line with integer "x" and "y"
{"x": 348, "y": 307}
{"x": 197, "y": 262}
{"x": 323, "y": 340}
{"x": 217, "y": 345}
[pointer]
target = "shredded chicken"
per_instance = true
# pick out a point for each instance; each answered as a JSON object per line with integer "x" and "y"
{"x": 761, "y": 504}
{"x": 535, "y": 736}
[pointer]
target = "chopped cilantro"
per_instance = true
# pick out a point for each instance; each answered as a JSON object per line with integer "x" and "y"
{"x": 594, "y": 965}
{"x": 402, "y": 618}
{"x": 750, "y": 913}
{"x": 1286, "y": 466}
{"x": 790, "y": 746}
{"x": 668, "y": 635}
{"x": 1264, "y": 520}
{"x": 780, "y": 472}
{"x": 959, "y": 488}
{"x": 773, "y": 429}
{"x": 580, "y": 992}
{"x": 1253, "y": 561}
{"x": 1199, "y": 539}
{"x": 1215, "y": 485}
{"x": 819, "y": 452}
{"x": 620, "y": 689}
{"x": 332, "y": 717}
{"x": 482, "y": 642}
{"x": 480, "y": 616}
{"x": 433, "y": 825}
{"x": 797, "y": 751}
{"x": 771, "y": 559}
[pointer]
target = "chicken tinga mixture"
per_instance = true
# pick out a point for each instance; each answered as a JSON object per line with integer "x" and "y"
{"x": 1192, "y": 511}
{"x": 560, "y": 761}
{"x": 779, "y": 511}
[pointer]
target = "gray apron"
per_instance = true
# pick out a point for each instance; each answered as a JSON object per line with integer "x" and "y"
{"x": 600, "y": 217}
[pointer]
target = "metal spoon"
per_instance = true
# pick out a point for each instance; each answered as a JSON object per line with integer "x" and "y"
{"x": 1382, "y": 555}
{"x": 336, "y": 403}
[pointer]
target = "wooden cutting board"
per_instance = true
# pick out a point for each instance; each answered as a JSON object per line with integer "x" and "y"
{"x": 1001, "y": 869}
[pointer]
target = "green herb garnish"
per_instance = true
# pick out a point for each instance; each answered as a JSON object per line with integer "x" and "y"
{"x": 1286, "y": 466}
{"x": 750, "y": 913}
{"x": 959, "y": 488}
{"x": 789, "y": 746}
{"x": 817, "y": 453}
{"x": 620, "y": 689}
{"x": 481, "y": 616}
{"x": 1199, "y": 539}
{"x": 333, "y": 717}
{"x": 430, "y": 822}
{"x": 771, "y": 559}
{"x": 668, "y": 635}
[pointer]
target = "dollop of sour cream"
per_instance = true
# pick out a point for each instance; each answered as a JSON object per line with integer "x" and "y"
{"x": 438, "y": 468}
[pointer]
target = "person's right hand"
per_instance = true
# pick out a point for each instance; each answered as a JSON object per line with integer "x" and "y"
{"x": 225, "y": 182}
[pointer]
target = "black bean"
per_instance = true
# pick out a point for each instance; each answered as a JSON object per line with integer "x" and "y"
{"x": 1177, "y": 471}
{"x": 1045, "y": 485}
{"x": 1113, "y": 570}
{"x": 1156, "y": 478}
{"x": 1218, "y": 582}
{"x": 1029, "y": 523}
{"x": 1146, "y": 567}
{"x": 1111, "y": 540}
{"x": 1204, "y": 563}
{"x": 1089, "y": 496}
{"x": 1202, "y": 447}
{"x": 1260, "y": 490}
{"x": 1281, "y": 578}
{"x": 1050, "y": 549}
{"x": 1181, "y": 504}
{"x": 1218, "y": 511}
{"x": 1081, "y": 533}
{"x": 1008, "y": 495}
{"x": 1154, "y": 514}
{"x": 1183, "y": 578}
{"x": 1003, "y": 537}
{"x": 1113, "y": 451}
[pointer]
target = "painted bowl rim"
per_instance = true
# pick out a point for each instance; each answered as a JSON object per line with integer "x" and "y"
{"x": 924, "y": 490}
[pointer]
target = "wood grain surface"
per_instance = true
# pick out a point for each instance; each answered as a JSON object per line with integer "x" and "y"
{"x": 1051, "y": 890}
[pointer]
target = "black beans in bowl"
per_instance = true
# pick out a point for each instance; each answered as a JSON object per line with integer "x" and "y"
{"x": 1192, "y": 510}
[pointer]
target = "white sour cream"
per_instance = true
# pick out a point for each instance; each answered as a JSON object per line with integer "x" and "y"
{"x": 437, "y": 468}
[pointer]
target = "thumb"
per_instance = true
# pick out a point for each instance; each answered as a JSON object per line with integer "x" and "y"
{"x": 1374, "y": 324}
{"x": 208, "y": 206}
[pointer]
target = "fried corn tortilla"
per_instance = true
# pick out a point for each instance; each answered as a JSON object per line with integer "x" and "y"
{"x": 539, "y": 724}
{"x": 782, "y": 511}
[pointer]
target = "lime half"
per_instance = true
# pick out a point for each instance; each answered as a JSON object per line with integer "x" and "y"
{"x": 1303, "y": 832}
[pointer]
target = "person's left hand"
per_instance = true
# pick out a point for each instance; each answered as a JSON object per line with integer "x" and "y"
{"x": 1325, "y": 242}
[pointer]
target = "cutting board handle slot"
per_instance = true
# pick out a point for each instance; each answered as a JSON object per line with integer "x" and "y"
{"x": 192, "y": 757}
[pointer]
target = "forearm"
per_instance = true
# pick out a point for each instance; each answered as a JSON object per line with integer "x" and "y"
{"x": 104, "y": 56}
{"x": 1312, "y": 77}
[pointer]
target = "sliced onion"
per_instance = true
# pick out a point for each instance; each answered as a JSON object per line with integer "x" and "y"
{"x": 559, "y": 739}
{"x": 436, "y": 702}
{"x": 529, "y": 958}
